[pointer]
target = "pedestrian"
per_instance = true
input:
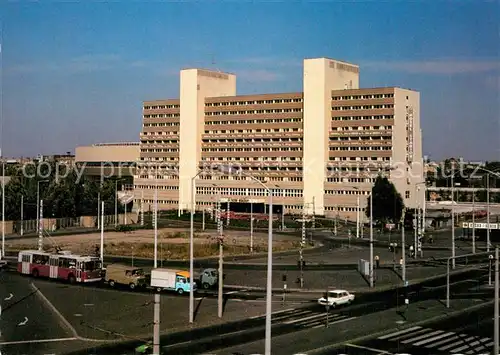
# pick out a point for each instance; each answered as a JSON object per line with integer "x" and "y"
{"x": 377, "y": 261}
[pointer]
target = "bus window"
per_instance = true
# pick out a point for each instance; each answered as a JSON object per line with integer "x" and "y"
{"x": 40, "y": 259}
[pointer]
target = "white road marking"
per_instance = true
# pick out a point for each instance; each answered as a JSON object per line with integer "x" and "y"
{"x": 404, "y": 331}
{"x": 445, "y": 335}
{"x": 420, "y": 337}
{"x": 37, "y": 341}
{"x": 9, "y": 298}
{"x": 88, "y": 304}
{"x": 378, "y": 351}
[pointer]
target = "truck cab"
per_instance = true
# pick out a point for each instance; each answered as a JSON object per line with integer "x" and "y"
{"x": 125, "y": 275}
{"x": 208, "y": 278}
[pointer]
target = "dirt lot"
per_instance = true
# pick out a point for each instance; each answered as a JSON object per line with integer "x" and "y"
{"x": 172, "y": 243}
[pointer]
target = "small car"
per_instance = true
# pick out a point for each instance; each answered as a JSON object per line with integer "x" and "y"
{"x": 336, "y": 298}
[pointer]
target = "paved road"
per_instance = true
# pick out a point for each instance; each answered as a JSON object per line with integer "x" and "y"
{"x": 471, "y": 333}
{"x": 26, "y": 321}
{"x": 103, "y": 313}
{"x": 301, "y": 329}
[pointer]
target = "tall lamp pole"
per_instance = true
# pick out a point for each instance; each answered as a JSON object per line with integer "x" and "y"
{"x": 371, "y": 238}
{"x": 3, "y": 206}
{"x": 269, "y": 291}
{"x": 488, "y": 212}
{"x": 453, "y": 221}
{"x": 156, "y": 315}
{"x": 191, "y": 250}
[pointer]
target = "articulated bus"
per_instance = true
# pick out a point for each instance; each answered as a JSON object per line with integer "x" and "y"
{"x": 62, "y": 266}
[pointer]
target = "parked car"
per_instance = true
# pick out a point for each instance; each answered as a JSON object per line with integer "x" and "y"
{"x": 336, "y": 298}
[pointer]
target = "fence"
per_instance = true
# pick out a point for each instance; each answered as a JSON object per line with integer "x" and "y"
{"x": 52, "y": 224}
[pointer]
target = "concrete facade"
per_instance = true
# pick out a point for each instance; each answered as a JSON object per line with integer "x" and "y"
{"x": 319, "y": 149}
{"x": 108, "y": 159}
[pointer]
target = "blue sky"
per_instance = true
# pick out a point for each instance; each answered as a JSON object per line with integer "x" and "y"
{"x": 77, "y": 73}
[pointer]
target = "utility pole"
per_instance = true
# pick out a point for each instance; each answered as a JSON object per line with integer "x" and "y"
{"x": 282, "y": 218}
{"x": 102, "y": 233}
{"x": 453, "y": 220}
{"x": 227, "y": 212}
{"x": 357, "y": 218}
{"x": 116, "y": 203}
{"x": 3, "y": 205}
{"x": 98, "y": 208}
{"x": 203, "y": 219}
{"x": 220, "y": 294}
{"x": 488, "y": 212}
{"x": 302, "y": 244}
{"x": 251, "y": 226}
{"x": 473, "y": 221}
{"x": 403, "y": 252}
{"x": 371, "y": 239}
{"x": 142, "y": 207}
{"x": 156, "y": 313}
{"x": 22, "y": 215}
{"x": 496, "y": 330}
{"x": 314, "y": 214}
{"x": 336, "y": 220}
{"x": 40, "y": 228}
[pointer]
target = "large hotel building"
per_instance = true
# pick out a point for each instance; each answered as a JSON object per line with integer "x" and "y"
{"x": 319, "y": 150}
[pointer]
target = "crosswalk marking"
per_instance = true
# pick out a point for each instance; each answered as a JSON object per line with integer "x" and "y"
{"x": 452, "y": 345}
{"x": 400, "y": 332}
{"x": 304, "y": 319}
{"x": 422, "y": 337}
{"x": 468, "y": 346}
{"x": 440, "y": 336}
{"x": 442, "y": 340}
{"x": 481, "y": 348}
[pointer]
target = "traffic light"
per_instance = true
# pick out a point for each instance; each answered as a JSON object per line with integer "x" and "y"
{"x": 419, "y": 244}
{"x": 283, "y": 278}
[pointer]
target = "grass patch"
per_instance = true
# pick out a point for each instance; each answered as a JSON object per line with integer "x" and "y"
{"x": 168, "y": 251}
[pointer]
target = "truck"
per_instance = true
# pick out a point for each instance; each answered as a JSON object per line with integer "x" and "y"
{"x": 3, "y": 263}
{"x": 125, "y": 275}
{"x": 208, "y": 278}
{"x": 171, "y": 280}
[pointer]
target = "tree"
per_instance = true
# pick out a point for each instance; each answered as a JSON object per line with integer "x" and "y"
{"x": 387, "y": 202}
{"x": 63, "y": 197}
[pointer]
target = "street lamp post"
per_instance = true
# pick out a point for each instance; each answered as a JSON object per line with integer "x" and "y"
{"x": 38, "y": 204}
{"x": 357, "y": 216}
{"x": 403, "y": 256}
{"x": 116, "y": 203}
{"x": 371, "y": 238}
{"x": 22, "y": 215}
{"x": 251, "y": 226}
{"x": 488, "y": 212}
{"x": 453, "y": 221}
{"x": 191, "y": 250}
{"x": 3, "y": 207}
{"x": 473, "y": 221}
{"x": 269, "y": 291}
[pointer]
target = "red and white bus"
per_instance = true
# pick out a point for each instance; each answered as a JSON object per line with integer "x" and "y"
{"x": 61, "y": 266}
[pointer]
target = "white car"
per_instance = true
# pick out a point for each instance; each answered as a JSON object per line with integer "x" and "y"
{"x": 336, "y": 298}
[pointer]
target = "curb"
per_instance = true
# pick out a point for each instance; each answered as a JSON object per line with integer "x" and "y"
{"x": 407, "y": 325}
